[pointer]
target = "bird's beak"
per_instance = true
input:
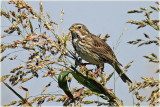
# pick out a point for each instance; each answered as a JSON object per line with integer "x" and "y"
{"x": 72, "y": 29}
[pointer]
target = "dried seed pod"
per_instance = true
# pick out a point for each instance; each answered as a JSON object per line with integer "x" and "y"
{"x": 3, "y": 78}
{"x": 135, "y": 11}
{"x": 147, "y": 36}
{"x": 154, "y": 55}
{"x": 51, "y": 98}
{"x": 2, "y": 58}
{"x": 143, "y": 8}
{"x": 133, "y": 42}
{"x": 154, "y": 8}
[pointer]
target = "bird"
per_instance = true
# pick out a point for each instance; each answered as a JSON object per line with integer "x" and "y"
{"x": 94, "y": 50}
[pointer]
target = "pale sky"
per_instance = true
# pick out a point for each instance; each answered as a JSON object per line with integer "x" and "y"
{"x": 100, "y": 17}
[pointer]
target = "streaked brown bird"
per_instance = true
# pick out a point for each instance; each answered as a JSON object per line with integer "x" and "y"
{"x": 93, "y": 49}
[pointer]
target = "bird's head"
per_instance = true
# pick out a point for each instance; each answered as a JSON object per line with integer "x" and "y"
{"x": 79, "y": 30}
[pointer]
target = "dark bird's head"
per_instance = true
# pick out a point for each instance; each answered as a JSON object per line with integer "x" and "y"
{"x": 79, "y": 30}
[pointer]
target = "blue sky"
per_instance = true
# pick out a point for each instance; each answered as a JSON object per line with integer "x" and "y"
{"x": 100, "y": 17}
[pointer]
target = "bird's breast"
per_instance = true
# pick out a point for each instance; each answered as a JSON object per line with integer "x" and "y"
{"x": 84, "y": 51}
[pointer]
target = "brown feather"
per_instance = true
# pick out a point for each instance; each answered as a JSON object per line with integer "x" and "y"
{"x": 102, "y": 48}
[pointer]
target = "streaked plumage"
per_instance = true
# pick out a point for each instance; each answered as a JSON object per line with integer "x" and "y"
{"x": 93, "y": 49}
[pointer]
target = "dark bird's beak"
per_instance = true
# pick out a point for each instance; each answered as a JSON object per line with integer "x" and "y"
{"x": 72, "y": 29}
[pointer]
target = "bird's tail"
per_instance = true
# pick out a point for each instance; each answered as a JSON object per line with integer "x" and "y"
{"x": 121, "y": 73}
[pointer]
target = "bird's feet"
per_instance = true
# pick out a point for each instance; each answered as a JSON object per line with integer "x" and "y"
{"x": 84, "y": 64}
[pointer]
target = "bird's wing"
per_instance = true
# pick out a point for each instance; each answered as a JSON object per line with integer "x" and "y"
{"x": 103, "y": 49}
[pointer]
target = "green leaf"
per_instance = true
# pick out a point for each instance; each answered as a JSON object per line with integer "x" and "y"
{"x": 62, "y": 82}
{"x": 91, "y": 83}
{"x": 95, "y": 86}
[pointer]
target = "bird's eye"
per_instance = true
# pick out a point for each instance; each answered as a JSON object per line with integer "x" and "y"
{"x": 79, "y": 27}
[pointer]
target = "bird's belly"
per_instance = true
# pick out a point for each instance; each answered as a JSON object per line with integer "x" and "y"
{"x": 84, "y": 51}
{"x": 89, "y": 57}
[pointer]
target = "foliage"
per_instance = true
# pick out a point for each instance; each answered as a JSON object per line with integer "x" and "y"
{"x": 51, "y": 57}
{"x": 147, "y": 82}
{"x": 48, "y": 55}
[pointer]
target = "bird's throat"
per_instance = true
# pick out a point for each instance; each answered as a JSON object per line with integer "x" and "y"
{"x": 78, "y": 35}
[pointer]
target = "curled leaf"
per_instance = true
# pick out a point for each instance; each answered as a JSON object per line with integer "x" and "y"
{"x": 62, "y": 82}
